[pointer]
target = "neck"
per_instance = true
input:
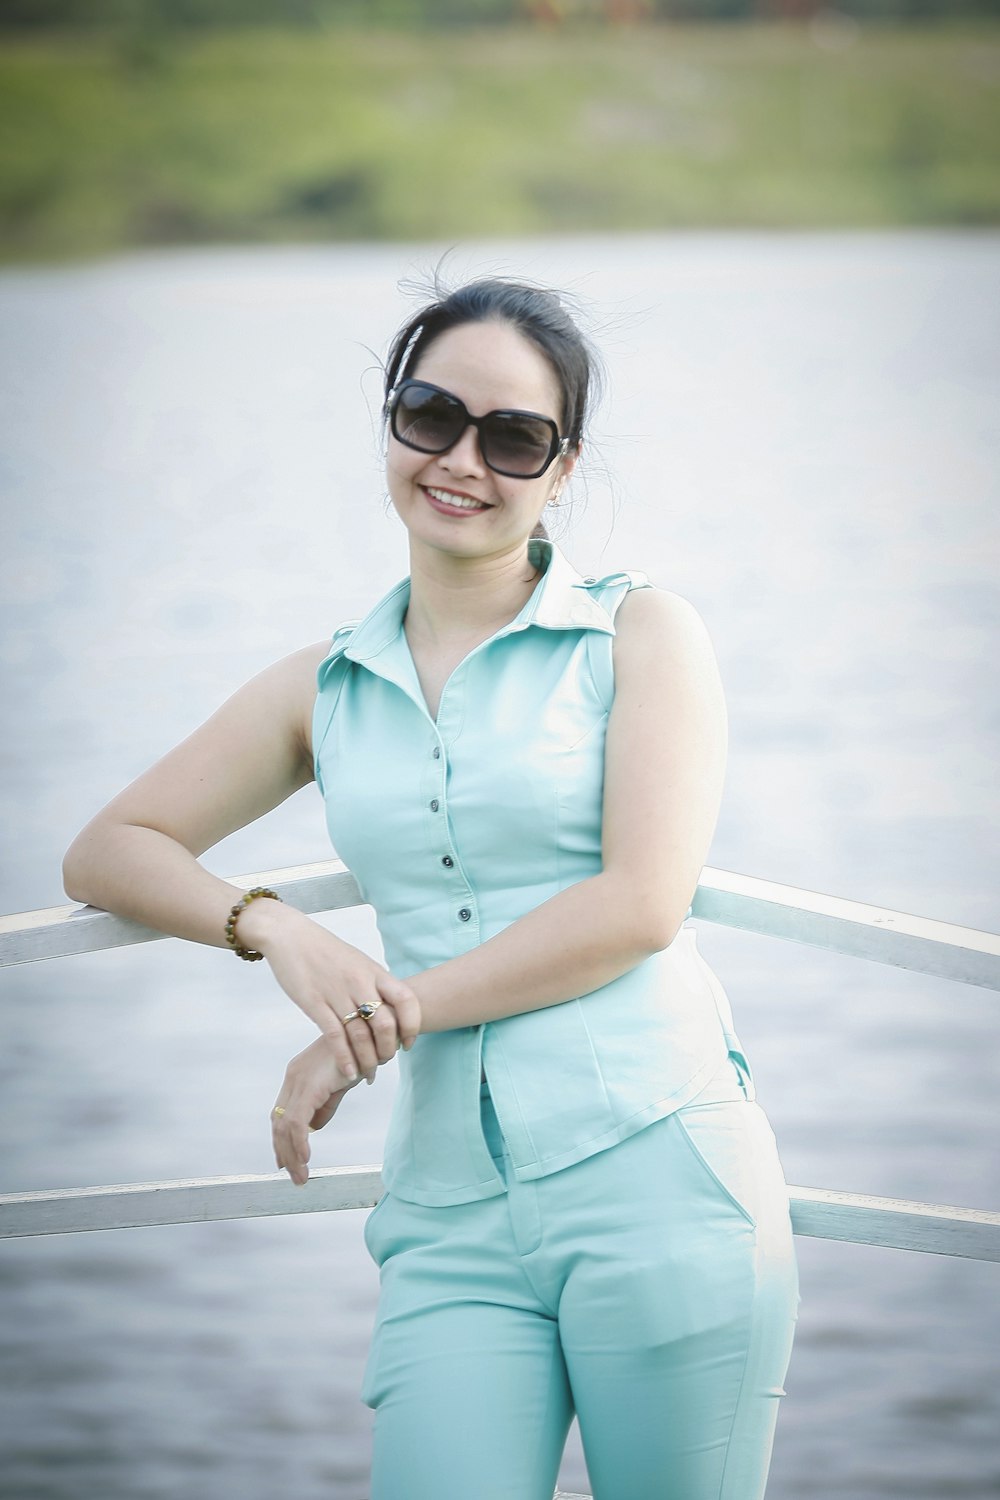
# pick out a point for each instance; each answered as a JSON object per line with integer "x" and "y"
{"x": 452, "y": 598}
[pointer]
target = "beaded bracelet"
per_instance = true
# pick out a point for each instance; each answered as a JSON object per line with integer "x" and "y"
{"x": 248, "y": 953}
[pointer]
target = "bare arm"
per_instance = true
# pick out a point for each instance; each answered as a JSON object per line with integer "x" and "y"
{"x": 138, "y": 857}
{"x": 664, "y": 770}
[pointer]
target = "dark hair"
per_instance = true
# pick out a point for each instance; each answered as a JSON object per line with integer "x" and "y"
{"x": 537, "y": 313}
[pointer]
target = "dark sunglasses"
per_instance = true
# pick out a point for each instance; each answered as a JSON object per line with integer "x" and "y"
{"x": 520, "y": 444}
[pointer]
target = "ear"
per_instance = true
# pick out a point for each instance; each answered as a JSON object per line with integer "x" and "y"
{"x": 566, "y": 466}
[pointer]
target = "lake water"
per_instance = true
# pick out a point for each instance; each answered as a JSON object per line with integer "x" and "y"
{"x": 801, "y": 436}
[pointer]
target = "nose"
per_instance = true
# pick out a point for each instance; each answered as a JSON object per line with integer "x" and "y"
{"x": 464, "y": 456}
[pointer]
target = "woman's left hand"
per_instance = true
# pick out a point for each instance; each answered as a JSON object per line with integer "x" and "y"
{"x": 310, "y": 1097}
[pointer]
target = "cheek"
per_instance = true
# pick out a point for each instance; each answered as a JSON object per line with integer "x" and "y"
{"x": 541, "y": 493}
{"x": 402, "y": 464}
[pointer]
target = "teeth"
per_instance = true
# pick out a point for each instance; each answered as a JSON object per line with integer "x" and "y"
{"x": 460, "y": 502}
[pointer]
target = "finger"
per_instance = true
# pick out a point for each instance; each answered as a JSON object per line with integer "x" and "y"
{"x": 406, "y": 1007}
{"x": 291, "y": 1146}
{"x": 363, "y": 1043}
{"x": 384, "y": 1029}
{"x": 281, "y": 1142}
{"x": 288, "y": 1130}
{"x": 301, "y": 1150}
{"x": 326, "y": 1112}
{"x": 284, "y": 1149}
{"x": 336, "y": 1038}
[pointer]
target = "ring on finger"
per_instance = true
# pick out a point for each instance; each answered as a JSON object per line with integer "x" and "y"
{"x": 363, "y": 1012}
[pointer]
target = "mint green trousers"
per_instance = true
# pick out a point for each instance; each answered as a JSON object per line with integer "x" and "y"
{"x": 651, "y": 1289}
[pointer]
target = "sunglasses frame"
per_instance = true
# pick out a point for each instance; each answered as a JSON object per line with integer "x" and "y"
{"x": 558, "y": 447}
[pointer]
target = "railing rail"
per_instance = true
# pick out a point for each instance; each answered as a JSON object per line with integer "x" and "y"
{"x": 820, "y": 1213}
{"x": 741, "y": 901}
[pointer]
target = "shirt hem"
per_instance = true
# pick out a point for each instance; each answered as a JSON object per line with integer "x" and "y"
{"x": 472, "y": 1192}
{"x": 621, "y": 1132}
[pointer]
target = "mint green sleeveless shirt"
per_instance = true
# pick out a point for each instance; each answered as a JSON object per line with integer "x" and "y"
{"x": 456, "y": 827}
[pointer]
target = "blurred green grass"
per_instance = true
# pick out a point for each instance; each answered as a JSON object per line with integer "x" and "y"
{"x": 114, "y": 141}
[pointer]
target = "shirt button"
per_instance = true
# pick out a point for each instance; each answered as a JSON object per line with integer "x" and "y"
{"x": 436, "y": 752}
{"x": 465, "y": 914}
{"x": 435, "y": 804}
{"x": 447, "y": 861}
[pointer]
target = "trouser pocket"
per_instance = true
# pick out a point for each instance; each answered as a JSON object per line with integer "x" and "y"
{"x": 719, "y": 1137}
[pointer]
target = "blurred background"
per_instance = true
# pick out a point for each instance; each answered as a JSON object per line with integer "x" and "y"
{"x": 779, "y": 221}
{"x": 150, "y": 122}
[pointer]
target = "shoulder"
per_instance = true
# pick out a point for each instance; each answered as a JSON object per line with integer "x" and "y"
{"x": 659, "y": 630}
{"x": 297, "y": 673}
{"x": 286, "y": 691}
{"x": 668, "y": 688}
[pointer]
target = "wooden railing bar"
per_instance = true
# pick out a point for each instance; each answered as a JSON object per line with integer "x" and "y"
{"x": 739, "y": 901}
{"x": 193, "y": 1200}
{"x": 850, "y": 927}
{"x": 58, "y": 931}
{"x": 820, "y": 1213}
{"x": 895, "y": 1223}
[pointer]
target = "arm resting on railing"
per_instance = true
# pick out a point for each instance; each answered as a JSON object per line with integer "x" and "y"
{"x": 138, "y": 858}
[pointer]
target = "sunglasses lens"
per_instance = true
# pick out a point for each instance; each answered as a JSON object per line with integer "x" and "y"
{"x": 517, "y": 443}
{"x": 426, "y": 419}
{"x": 511, "y": 442}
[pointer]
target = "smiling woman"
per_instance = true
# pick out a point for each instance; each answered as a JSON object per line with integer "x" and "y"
{"x": 492, "y": 369}
{"x": 543, "y": 755}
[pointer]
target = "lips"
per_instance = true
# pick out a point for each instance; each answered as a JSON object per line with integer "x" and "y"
{"x": 455, "y": 504}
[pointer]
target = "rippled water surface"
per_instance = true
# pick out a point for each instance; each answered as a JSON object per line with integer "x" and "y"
{"x": 801, "y": 436}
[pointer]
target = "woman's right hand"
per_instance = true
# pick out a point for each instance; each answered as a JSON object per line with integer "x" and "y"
{"x": 329, "y": 979}
{"x": 312, "y": 1092}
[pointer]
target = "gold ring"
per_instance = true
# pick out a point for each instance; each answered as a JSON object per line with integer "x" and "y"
{"x": 363, "y": 1013}
{"x": 277, "y": 1111}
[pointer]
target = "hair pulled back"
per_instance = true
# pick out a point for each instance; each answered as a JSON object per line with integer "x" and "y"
{"x": 536, "y": 312}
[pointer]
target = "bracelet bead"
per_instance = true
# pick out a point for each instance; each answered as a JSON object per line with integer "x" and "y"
{"x": 248, "y": 953}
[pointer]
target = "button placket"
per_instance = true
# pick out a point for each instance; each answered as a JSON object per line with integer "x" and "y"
{"x": 459, "y": 897}
{"x": 467, "y": 921}
{"x": 437, "y": 804}
{"x": 433, "y": 781}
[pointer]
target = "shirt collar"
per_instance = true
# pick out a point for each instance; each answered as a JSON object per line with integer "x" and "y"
{"x": 561, "y": 600}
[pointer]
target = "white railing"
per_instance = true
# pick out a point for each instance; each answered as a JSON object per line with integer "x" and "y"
{"x": 739, "y": 901}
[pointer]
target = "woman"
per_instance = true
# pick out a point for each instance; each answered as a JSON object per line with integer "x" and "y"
{"x": 585, "y": 1210}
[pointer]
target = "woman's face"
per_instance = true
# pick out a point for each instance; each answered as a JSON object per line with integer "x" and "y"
{"x": 451, "y": 501}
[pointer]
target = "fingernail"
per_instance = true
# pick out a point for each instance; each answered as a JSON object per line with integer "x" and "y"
{"x": 351, "y": 1073}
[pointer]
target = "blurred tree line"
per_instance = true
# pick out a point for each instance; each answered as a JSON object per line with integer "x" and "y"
{"x": 188, "y": 14}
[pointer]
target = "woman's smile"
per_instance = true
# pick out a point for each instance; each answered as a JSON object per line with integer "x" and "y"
{"x": 453, "y": 502}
